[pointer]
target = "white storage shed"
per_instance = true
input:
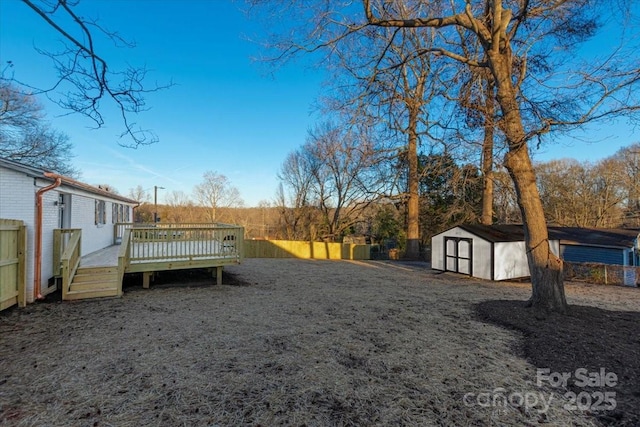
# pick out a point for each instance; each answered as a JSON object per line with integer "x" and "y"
{"x": 495, "y": 252}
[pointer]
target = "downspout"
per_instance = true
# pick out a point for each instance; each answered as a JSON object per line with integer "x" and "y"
{"x": 37, "y": 270}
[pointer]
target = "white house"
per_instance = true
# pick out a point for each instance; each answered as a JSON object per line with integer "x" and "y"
{"x": 46, "y": 201}
{"x": 494, "y": 252}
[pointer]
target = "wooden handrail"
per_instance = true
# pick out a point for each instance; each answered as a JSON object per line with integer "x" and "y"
{"x": 70, "y": 260}
{"x": 60, "y": 242}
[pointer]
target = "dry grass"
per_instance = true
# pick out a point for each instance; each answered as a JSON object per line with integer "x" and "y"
{"x": 291, "y": 342}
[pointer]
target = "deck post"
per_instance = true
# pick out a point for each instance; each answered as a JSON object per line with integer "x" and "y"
{"x": 219, "y": 275}
{"x": 146, "y": 278}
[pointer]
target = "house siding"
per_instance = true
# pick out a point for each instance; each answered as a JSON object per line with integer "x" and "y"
{"x": 573, "y": 253}
{"x": 49, "y": 223}
{"x": 94, "y": 236}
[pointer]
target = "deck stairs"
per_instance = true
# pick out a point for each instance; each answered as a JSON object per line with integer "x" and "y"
{"x": 94, "y": 282}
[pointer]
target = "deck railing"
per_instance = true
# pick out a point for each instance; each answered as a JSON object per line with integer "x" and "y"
{"x": 184, "y": 242}
{"x": 120, "y": 227}
{"x": 123, "y": 258}
{"x": 61, "y": 238}
{"x": 70, "y": 261}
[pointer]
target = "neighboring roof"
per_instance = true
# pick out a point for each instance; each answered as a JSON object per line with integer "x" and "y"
{"x": 40, "y": 173}
{"x": 602, "y": 237}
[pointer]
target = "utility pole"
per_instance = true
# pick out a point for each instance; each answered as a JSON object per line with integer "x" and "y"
{"x": 155, "y": 202}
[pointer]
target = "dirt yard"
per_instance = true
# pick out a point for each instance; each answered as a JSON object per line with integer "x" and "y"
{"x": 298, "y": 342}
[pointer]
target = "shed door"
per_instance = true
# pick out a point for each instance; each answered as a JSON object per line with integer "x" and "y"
{"x": 458, "y": 255}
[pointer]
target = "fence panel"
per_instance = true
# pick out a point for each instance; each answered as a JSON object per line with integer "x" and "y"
{"x": 604, "y": 274}
{"x": 305, "y": 250}
{"x": 13, "y": 249}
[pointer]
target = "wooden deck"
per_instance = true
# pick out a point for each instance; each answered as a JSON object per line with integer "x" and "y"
{"x": 162, "y": 253}
{"x": 146, "y": 249}
{"x": 106, "y": 257}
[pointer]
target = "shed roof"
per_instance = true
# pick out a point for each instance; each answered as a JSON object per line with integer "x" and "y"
{"x": 602, "y": 237}
{"x": 41, "y": 173}
{"x": 496, "y": 233}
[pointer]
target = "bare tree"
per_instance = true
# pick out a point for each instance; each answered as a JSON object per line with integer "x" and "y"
{"x": 629, "y": 159}
{"x": 140, "y": 194}
{"x": 26, "y": 137}
{"x": 505, "y": 199}
{"x": 85, "y": 81}
{"x": 585, "y": 194}
{"x": 179, "y": 207}
{"x": 395, "y": 93}
{"x": 297, "y": 211}
{"x": 333, "y": 172}
{"x": 341, "y": 167}
{"x": 216, "y": 192}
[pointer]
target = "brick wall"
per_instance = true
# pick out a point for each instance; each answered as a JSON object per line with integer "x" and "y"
{"x": 17, "y": 201}
{"x": 94, "y": 237}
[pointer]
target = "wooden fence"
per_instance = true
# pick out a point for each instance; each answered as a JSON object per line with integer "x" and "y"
{"x": 306, "y": 250}
{"x": 13, "y": 250}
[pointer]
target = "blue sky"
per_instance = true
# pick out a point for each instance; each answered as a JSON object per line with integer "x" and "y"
{"x": 224, "y": 113}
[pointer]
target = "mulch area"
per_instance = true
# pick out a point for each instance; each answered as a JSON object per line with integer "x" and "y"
{"x": 589, "y": 338}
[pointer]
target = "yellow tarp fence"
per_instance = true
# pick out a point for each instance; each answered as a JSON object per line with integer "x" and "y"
{"x": 306, "y": 250}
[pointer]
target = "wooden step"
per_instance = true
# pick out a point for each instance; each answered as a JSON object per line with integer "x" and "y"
{"x": 94, "y": 282}
{"x": 88, "y": 286}
{"x": 93, "y": 293}
{"x": 93, "y": 278}
{"x": 97, "y": 270}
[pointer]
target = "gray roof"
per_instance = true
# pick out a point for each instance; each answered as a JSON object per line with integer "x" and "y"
{"x": 40, "y": 173}
{"x": 496, "y": 233}
{"x": 20, "y": 167}
{"x": 603, "y": 237}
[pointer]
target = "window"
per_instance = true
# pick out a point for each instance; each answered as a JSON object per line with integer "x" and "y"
{"x": 101, "y": 212}
{"x": 119, "y": 213}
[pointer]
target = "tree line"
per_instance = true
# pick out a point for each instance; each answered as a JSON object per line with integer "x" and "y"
{"x": 602, "y": 194}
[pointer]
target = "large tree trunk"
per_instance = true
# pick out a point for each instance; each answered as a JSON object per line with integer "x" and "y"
{"x": 487, "y": 158}
{"x": 413, "y": 213}
{"x": 545, "y": 267}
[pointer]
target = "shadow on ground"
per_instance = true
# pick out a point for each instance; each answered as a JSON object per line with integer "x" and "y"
{"x": 180, "y": 278}
{"x": 588, "y": 338}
